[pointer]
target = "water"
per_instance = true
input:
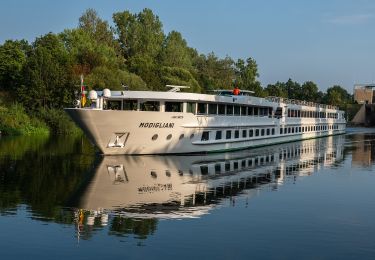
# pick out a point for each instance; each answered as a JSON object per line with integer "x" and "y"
{"x": 310, "y": 199}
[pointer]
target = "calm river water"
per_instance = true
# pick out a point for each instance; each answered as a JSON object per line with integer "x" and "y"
{"x": 304, "y": 200}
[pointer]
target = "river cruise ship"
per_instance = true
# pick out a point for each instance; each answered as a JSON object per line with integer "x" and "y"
{"x": 173, "y": 122}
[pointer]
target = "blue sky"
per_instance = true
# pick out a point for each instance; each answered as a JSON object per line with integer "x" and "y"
{"x": 329, "y": 42}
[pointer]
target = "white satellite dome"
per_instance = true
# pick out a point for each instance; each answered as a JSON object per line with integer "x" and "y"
{"x": 106, "y": 92}
{"x": 93, "y": 95}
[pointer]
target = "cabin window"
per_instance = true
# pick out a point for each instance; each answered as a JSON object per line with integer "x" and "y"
{"x": 250, "y": 111}
{"x": 228, "y": 134}
{"x": 217, "y": 168}
{"x": 204, "y": 169}
{"x": 256, "y": 132}
{"x": 227, "y": 167}
{"x": 281, "y": 130}
{"x": 190, "y": 107}
{"x": 113, "y": 105}
{"x": 262, "y": 132}
{"x": 221, "y": 109}
{"x": 150, "y": 106}
{"x": 235, "y": 165}
{"x": 218, "y": 135}
{"x": 244, "y": 133}
{"x": 251, "y": 133}
{"x": 230, "y": 110}
{"x": 273, "y": 131}
{"x": 202, "y": 108}
{"x": 212, "y": 109}
{"x": 237, "y": 134}
{"x": 130, "y": 105}
{"x": 237, "y": 110}
{"x": 154, "y": 137}
{"x": 169, "y": 137}
{"x": 243, "y": 111}
{"x": 268, "y": 131}
{"x": 173, "y": 106}
{"x": 256, "y": 111}
{"x": 243, "y": 163}
{"x": 205, "y": 136}
{"x": 299, "y": 129}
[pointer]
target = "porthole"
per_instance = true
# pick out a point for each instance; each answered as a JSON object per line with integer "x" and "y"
{"x": 154, "y": 137}
{"x": 167, "y": 173}
{"x": 181, "y": 136}
{"x": 169, "y": 137}
{"x": 191, "y": 136}
{"x": 153, "y": 174}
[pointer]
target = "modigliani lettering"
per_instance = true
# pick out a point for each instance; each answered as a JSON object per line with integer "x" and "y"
{"x": 156, "y": 125}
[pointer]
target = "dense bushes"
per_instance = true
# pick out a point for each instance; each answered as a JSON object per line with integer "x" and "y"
{"x": 15, "y": 121}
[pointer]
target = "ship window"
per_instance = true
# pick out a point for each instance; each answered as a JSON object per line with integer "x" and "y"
{"x": 212, "y": 109}
{"x": 205, "y": 136}
{"x": 167, "y": 173}
{"x": 292, "y": 129}
{"x": 227, "y": 166}
{"x": 150, "y": 106}
{"x": 262, "y": 132}
{"x": 190, "y": 108}
{"x": 243, "y": 111}
{"x": 228, "y": 134}
{"x": 299, "y": 129}
{"x": 204, "y": 169}
{"x": 250, "y": 111}
{"x": 289, "y": 130}
{"x": 153, "y": 174}
{"x": 169, "y": 137}
{"x": 235, "y": 165}
{"x": 218, "y": 135}
{"x": 130, "y": 105}
{"x": 273, "y": 131}
{"x": 250, "y": 162}
{"x": 281, "y": 130}
{"x": 173, "y": 106}
{"x": 251, "y": 133}
{"x": 256, "y": 132}
{"x": 202, "y": 108}
{"x": 244, "y": 133}
{"x": 256, "y": 111}
{"x": 221, "y": 109}
{"x": 191, "y": 136}
{"x": 217, "y": 168}
{"x": 268, "y": 131}
{"x": 113, "y": 105}
{"x": 181, "y": 136}
{"x": 230, "y": 110}
{"x": 236, "y": 134}
{"x": 237, "y": 110}
{"x": 154, "y": 137}
{"x": 243, "y": 163}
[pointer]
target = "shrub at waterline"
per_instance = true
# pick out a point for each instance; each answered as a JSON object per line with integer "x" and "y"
{"x": 15, "y": 121}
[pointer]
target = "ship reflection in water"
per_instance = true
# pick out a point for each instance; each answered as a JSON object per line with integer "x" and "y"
{"x": 167, "y": 187}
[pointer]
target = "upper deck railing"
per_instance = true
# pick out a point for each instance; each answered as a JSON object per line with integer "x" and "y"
{"x": 300, "y": 102}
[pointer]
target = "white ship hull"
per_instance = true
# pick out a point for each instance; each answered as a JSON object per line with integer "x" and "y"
{"x": 151, "y": 132}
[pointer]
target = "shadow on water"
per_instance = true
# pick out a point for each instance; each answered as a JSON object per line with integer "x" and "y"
{"x": 61, "y": 179}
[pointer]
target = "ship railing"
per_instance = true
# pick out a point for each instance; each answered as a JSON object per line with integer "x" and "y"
{"x": 299, "y": 102}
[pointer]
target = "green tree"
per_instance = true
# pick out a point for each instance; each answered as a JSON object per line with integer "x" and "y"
{"x": 276, "y": 90}
{"x": 46, "y": 75}
{"x": 337, "y": 96}
{"x": 181, "y": 77}
{"x": 214, "y": 73}
{"x": 175, "y": 52}
{"x": 13, "y": 56}
{"x": 309, "y": 91}
{"x": 102, "y": 77}
{"x": 141, "y": 38}
{"x": 246, "y": 76}
{"x": 98, "y": 29}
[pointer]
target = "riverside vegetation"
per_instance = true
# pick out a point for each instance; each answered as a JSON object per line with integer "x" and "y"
{"x": 38, "y": 79}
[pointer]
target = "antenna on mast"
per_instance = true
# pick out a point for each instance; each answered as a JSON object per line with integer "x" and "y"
{"x": 175, "y": 88}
